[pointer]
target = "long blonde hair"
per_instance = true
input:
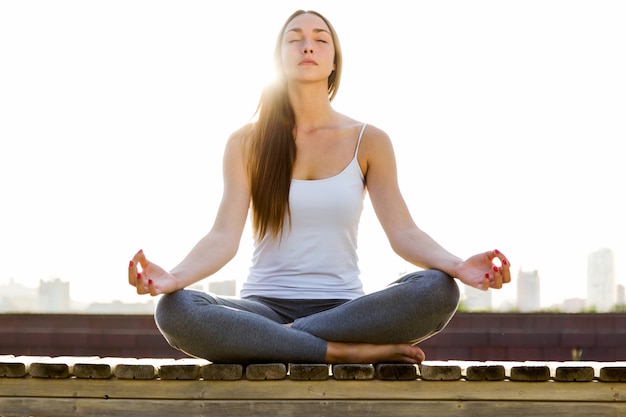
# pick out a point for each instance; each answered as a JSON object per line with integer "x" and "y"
{"x": 272, "y": 149}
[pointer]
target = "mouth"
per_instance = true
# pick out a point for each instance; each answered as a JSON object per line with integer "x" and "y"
{"x": 308, "y": 62}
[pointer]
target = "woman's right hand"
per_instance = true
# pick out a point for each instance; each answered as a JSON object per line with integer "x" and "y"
{"x": 151, "y": 279}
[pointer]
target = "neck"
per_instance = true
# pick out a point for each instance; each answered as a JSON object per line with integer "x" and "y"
{"x": 311, "y": 106}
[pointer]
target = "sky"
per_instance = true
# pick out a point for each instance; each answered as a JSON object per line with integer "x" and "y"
{"x": 507, "y": 118}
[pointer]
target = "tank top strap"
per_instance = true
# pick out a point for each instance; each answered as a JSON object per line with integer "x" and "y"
{"x": 358, "y": 143}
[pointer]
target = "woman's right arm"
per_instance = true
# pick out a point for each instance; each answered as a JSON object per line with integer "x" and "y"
{"x": 218, "y": 246}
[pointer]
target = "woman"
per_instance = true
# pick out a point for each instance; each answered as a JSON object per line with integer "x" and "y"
{"x": 304, "y": 169}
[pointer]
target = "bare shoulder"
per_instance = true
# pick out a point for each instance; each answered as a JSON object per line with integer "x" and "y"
{"x": 375, "y": 146}
{"x": 375, "y": 136}
{"x": 241, "y": 136}
{"x": 238, "y": 141}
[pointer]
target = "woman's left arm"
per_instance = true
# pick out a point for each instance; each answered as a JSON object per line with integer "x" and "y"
{"x": 409, "y": 241}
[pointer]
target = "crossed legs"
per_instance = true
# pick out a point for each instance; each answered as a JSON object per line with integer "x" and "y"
{"x": 380, "y": 327}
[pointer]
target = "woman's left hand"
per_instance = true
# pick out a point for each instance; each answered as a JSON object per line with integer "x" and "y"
{"x": 480, "y": 271}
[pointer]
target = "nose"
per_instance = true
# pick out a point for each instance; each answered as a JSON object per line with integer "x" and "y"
{"x": 307, "y": 47}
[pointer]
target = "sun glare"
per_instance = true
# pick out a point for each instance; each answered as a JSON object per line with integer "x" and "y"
{"x": 506, "y": 120}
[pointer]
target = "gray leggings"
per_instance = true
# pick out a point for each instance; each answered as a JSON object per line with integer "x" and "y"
{"x": 250, "y": 330}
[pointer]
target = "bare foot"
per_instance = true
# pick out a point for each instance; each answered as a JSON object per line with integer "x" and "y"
{"x": 339, "y": 352}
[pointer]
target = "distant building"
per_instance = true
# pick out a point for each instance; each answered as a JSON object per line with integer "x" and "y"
{"x": 198, "y": 286}
{"x": 118, "y": 307}
{"x": 601, "y": 288}
{"x": 476, "y": 300}
{"x": 528, "y": 291}
{"x": 621, "y": 296}
{"x": 228, "y": 288}
{"x": 17, "y": 298}
{"x": 54, "y": 296}
{"x": 573, "y": 305}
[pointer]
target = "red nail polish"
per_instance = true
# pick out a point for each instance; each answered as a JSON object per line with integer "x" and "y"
{"x": 138, "y": 275}
{"x": 149, "y": 282}
{"x": 497, "y": 252}
{"x": 487, "y": 276}
{"x": 504, "y": 262}
{"x": 130, "y": 264}
{"x": 495, "y": 269}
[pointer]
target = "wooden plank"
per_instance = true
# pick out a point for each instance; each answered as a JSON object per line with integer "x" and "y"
{"x": 573, "y": 371}
{"x": 330, "y": 389}
{"x": 95, "y": 369}
{"x": 596, "y": 366}
{"x": 358, "y": 372}
{"x": 613, "y": 374}
{"x": 396, "y": 371}
{"x": 188, "y": 368}
{"x": 574, "y": 374}
{"x": 264, "y": 372}
{"x": 440, "y": 371}
{"x": 75, "y": 407}
{"x": 49, "y": 370}
{"x": 12, "y": 367}
{"x": 132, "y": 368}
{"x": 58, "y": 367}
{"x": 485, "y": 373}
{"x": 221, "y": 372}
{"x": 529, "y": 373}
{"x": 308, "y": 372}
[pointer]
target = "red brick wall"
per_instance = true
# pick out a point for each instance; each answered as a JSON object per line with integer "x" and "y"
{"x": 82, "y": 335}
{"x": 541, "y": 337}
{"x": 469, "y": 336}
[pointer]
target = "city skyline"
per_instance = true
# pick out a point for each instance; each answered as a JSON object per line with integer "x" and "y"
{"x": 604, "y": 294}
{"x": 506, "y": 118}
{"x": 53, "y": 296}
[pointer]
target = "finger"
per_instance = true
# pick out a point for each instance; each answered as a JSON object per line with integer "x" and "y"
{"x": 497, "y": 278}
{"x": 506, "y": 276}
{"x": 140, "y": 259}
{"x": 497, "y": 254}
{"x": 484, "y": 286}
{"x": 506, "y": 272}
{"x": 141, "y": 284}
{"x": 152, "y": 288}
{"x": 505, "y": 266}
{"x": 132, "y": 273}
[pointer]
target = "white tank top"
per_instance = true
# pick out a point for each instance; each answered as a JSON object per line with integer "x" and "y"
{"x": 316, "y": 258}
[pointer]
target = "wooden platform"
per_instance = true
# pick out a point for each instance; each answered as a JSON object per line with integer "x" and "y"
{"x": 92, "y": 386}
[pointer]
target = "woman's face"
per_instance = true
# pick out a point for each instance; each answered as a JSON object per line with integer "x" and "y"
{"x": 308, "y": 51}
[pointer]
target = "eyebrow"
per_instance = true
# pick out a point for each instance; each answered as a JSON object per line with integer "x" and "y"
{"x": 318, "y": 30}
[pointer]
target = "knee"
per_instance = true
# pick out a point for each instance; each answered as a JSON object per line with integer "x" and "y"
{"x": 444, "y": 298}
{"x": 447, "y": 297}
{"x": 447, "y": 290}
{"x": 167, "y": 309}
{"x": 442, "y": 290}
{"x": 173, "y": 308}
